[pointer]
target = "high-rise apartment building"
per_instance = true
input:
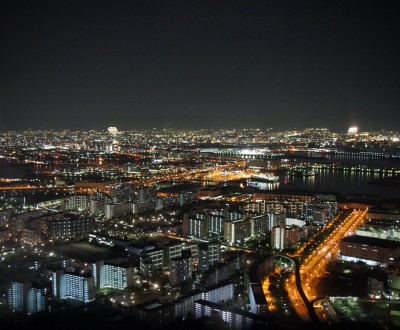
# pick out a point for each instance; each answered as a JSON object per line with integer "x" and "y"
{"x": 237, "y": 230}
{"x": 284, "y": 236}
{"x": 78, "y": 287}
{"x": 114, "y": 274}
{"x": 28, "y": 297}
{"x": 181, "y": 270}
{"x": 150, "y": 261}
{"x": 209, "y": 254}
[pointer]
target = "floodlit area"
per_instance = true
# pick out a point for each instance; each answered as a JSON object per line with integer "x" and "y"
{"x": 350, "y": 309}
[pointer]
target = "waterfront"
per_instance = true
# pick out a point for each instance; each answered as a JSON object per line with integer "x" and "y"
{"x": 345, "y": 183}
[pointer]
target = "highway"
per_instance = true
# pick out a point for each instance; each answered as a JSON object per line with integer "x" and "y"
{"x": 315, "y": 264}
{"x": 302, "y": 283}
{"x": 34, "y": 188}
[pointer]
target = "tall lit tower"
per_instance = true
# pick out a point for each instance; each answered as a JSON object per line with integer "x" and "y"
{"x": 352, "y": 131}
{"x": 112, "y": 130}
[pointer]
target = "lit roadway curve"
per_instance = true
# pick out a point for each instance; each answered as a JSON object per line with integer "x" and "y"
{"x": 66, "y": 188}
{"x": 312, "y": 266}
{"x": 315, "y": 263}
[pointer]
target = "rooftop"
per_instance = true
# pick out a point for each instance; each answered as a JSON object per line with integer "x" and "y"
{"x": 372, "y": 241}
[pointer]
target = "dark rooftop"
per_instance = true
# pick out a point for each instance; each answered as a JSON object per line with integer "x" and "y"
{"x": 120, "y": 262}
{"x": 152, "y": 305}
{"x": 372, "y": 241}
{"x": 259, "y": 295}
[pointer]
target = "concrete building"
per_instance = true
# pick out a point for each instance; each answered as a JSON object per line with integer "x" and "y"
{"x": 150, "y": 261}
{"x": 197, "y": 227}
{"x": 216, "y": 224}
{"x": 237, "y": 230}
{"x": 372, "y": 251}
{"x": 383, "y": 213}
{"x": 76, "y": 203}
{"x": 154, "y": 315}
{"x": 117, "y": 209}
{"x": 28, "y": 297}
{"x": 114, "y": 274}
{"x": 180, "y": 270}
{"x": 77, "y": 286}
{"x": 172, "y": 250}
{"x": 232, "y": 318}
{"x": 215, "y": 293}
{"x": 69, "y": 227}
{"x": 284, "y": 236}
{"x": 259, "y": 225}
{"x": 223, "y": 271}
{"x": 292, "y": 206}
{"x": 209, "y": 254}
{"x": 147, "y": 206}
{"x": 97, "y": 203}
{"x": 375, "y": 287}
{"x": 275, "y": 219}
{"x": 320, "y": 214}
{"x": 394, "y": 282}
{"x": 32, "y": 236}
{"x": 253, "y": 279}
{"x": 5, "y": 235}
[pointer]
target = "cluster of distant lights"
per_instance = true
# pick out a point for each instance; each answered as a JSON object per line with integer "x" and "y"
{"x": 353, "y": 130}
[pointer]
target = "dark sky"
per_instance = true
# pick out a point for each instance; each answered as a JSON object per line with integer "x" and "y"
{"x": 198, "y": 64}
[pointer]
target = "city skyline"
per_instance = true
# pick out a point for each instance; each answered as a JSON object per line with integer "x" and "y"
{"x": 271, "y": 130}
{"x": 201, "y": 64}
{"x": 163, "y": 228}
{"x": 174, "y": 164}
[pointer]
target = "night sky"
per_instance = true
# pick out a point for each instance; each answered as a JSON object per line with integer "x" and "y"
{"x": 199, "y": 64}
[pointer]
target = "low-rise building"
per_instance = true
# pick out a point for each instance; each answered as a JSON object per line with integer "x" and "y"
{"x": 372, "y": 251}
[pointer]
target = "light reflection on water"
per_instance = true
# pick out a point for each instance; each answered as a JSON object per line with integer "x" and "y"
{"x": 326, "y": 181}
{"x": 342, "y": 182}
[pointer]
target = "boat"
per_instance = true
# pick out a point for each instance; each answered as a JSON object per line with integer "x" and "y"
{"x": 302, "y": 171}
{"x": 264, "y": 178}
